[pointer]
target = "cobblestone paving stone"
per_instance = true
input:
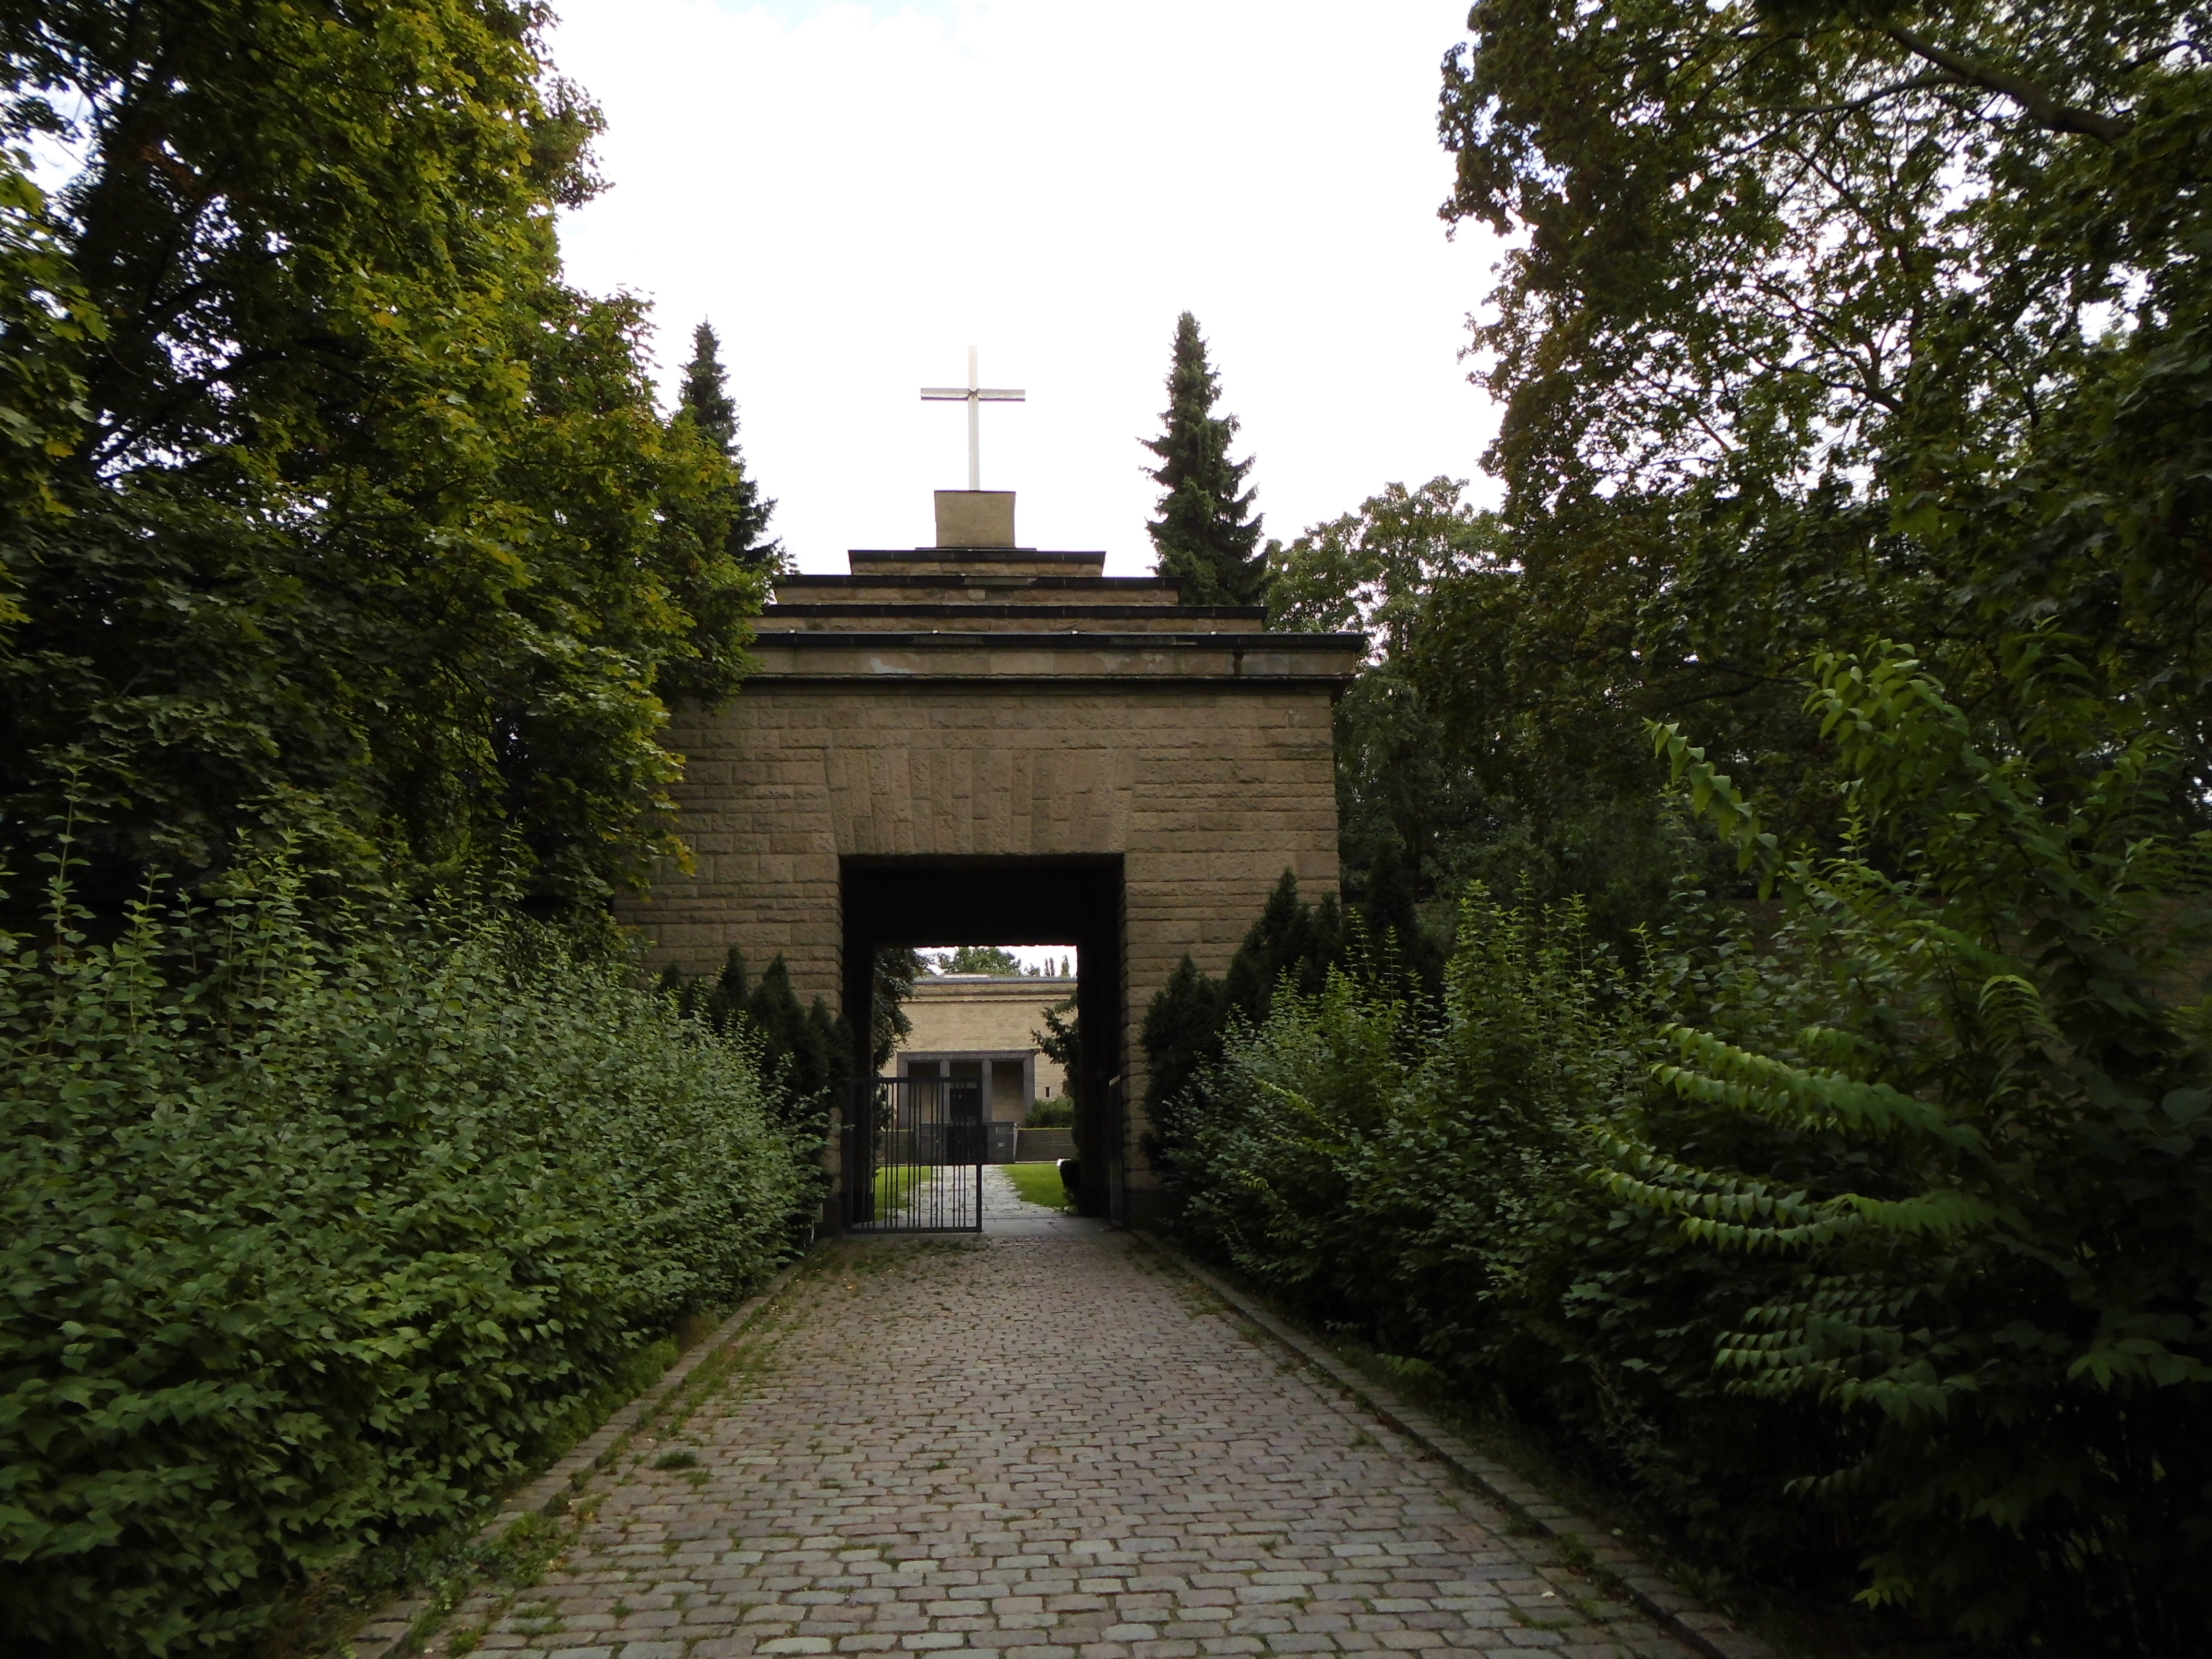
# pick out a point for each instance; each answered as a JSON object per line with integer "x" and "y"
{"x": 1045, "y": 1448}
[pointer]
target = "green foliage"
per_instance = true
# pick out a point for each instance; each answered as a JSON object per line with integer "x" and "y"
{"x": 1775, "y": 211}
{"x": 1292, "y": 944}
{"x": 313, "y": 1235}
{"x": 1393, "y": 1169}
{"x": 1050, "y": 1114}
{"x": 1988, "y": 1235}
{"x": 1868, "y": 1246}
{"x": 1371, "y": 571}
{"x": 706, "y": 394}
{"x": 358, "y": 517}
{"x": 1206, "y": 535}
{"x": 977, "y": 959}
{"x": 1183, "y": 1029}
{"x": 897, "y": 967}
{"x": 1061, "y": 1039}
{"x": 45, "y": 324}
{"x": 808, "y": 1051}
{"x": 1820, "y": 324}
{"x": 817, "y": 1044}
{"x": 1413, "y": 813}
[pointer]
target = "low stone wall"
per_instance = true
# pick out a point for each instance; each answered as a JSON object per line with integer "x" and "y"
{"x": 1043, "y": 1146}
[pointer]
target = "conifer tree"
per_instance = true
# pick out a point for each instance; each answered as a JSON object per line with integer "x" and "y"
{"x": 1206, "y": 534}
{"x": 1185, "y": 1025}
{"x": 706, "y": 399}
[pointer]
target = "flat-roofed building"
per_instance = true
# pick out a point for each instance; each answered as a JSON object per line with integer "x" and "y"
{"x": 981, "y": 1029}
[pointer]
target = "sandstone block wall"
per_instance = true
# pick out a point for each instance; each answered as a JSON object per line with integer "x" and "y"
{"x": 965, "y": 1016}
{"x": 1208, "y": 791}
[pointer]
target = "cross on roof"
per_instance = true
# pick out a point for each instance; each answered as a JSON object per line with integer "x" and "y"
{"x": 975, "y": 397}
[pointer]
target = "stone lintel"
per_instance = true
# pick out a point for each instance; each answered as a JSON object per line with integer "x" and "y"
{"x": 971, "y": 587}
{"x": 988, "y": 606}
{"x": 938, "y": 576}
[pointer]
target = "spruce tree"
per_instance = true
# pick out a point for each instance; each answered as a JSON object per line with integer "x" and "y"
{"x": 1206, "y": 534}
{"x": 706, "y": 399}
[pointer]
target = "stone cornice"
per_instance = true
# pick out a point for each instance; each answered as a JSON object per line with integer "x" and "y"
{"x": 876, "y": 657}
{"x": 874, "y": 581}
{"x": 982, "y": 616}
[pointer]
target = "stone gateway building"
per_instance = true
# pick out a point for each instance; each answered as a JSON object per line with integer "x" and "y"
{"x": 982, "y": 743}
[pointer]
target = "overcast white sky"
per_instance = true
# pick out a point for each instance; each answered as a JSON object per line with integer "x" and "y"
{"x": 855, "y": 193}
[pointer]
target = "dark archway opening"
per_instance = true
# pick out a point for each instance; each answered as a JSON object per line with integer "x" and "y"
{"x": 917, "y": 902}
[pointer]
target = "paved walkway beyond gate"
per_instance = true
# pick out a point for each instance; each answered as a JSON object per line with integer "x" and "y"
{"x": 1048, "y": 1447}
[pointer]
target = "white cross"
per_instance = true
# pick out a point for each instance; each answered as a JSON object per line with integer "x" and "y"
{"x": 975, "y": 397}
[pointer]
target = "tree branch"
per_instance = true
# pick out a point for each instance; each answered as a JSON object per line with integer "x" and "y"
{"x": 2041, "y": 108}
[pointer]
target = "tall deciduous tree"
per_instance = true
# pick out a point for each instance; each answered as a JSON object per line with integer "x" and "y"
{"x": 977, "y": 959}
{"x": 706, "y": 399}
{"x": 359, "y": 521}
{"x": 1821, "y": 323}
{"x": 1409, "y": 804}
{"x": 1206, "y": 534}
{"x": 897, "y": 967}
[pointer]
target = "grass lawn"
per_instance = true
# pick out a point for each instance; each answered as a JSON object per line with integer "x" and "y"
{"x": 895, "y": 1186}
{"x": 1038, "y": 1183}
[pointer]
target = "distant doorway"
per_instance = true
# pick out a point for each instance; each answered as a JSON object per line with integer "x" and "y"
{"x": 932, "y": 901}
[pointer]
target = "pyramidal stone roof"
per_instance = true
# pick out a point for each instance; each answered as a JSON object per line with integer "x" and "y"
{"x": 981, "y": 607}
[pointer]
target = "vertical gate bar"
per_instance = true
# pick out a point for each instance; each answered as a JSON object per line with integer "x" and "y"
{"x": 915, "y": 1152}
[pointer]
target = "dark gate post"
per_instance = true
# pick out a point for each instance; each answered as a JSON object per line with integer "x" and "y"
{"x": 856, "y": 1192}
{"x": 1117, "y": 1152}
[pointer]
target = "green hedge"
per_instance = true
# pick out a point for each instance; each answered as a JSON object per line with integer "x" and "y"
{"x": 1873, "y": 1248}
{"x": 312, "y": 1235}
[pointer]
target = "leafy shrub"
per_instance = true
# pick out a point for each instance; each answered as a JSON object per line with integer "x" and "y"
{"x": 1874, "y": 1249}
{"x": 1061, "y": 1041}
{"x": 1395, "y": 1166}
{"x": 312, "y": 1235}
{"x": 1962, "y": 1150}
{"x": 1293, "y": 943}
{"x": 809, "y": 1052}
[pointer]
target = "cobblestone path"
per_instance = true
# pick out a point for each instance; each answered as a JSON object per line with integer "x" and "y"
{"x": 1050, "y": 1447}
{"x": 1002, "y": 1199}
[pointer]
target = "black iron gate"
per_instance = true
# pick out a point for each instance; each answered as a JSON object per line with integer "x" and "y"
{"x": 913, "y": 1156}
